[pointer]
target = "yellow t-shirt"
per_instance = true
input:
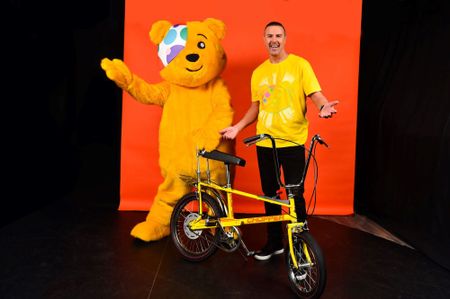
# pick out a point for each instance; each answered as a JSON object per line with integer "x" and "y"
{"x": 281, "y": 89}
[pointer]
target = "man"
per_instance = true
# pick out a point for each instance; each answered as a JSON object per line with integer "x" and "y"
{"x": 280, "y": 87}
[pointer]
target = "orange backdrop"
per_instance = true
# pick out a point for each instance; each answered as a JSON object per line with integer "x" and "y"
{"x": 325, "y": 32}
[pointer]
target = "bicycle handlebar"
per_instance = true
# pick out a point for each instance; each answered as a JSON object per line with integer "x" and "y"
{"x": 256, "y": 138}
{"x": 320, "y": 140}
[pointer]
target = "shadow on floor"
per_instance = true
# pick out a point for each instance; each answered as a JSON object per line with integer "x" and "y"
{"x": 364, "y": 224}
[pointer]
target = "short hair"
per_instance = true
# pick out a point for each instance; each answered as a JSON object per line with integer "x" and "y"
{"x": 275, "y": 23}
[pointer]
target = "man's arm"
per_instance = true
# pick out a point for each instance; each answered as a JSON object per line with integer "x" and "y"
{"x": 249, "y": 117}
{"x": 326, "y": 109}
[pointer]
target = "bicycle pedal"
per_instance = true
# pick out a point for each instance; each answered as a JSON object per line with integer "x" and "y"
{"x": 251, "y": 253}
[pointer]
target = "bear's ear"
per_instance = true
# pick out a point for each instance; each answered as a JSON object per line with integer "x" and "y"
{"x": 217, "y": 26}
{"x": 159, "y": 30}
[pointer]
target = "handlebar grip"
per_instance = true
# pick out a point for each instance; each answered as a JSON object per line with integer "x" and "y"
{"x": 254, "y": 139}
{"x": 321, "y": 141}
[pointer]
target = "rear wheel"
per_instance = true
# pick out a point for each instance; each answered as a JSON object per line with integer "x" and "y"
{"x": 195, "y": 245}
{"x": 309, "y": 280}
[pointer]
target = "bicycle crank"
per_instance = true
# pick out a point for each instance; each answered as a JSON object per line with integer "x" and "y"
{"x": 230, "y": 239}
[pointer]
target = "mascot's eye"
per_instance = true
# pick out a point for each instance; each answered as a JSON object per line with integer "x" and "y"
{"x": 201, "y": 45}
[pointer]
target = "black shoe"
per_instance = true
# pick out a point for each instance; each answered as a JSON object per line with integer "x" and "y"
{"x": 267, "y": 251}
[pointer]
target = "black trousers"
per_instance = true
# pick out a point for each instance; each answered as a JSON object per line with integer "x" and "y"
{"x": 292, "y": 163}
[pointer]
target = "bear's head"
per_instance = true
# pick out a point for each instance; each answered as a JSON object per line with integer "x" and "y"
{"x": 192, "y": 53}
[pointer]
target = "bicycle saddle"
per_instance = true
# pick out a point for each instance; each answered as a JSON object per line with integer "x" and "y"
{"x": 224, "y": 157}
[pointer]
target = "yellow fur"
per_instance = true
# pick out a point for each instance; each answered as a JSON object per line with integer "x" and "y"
{"x": 196, "y": 105}
{"x": 159, "y": 30}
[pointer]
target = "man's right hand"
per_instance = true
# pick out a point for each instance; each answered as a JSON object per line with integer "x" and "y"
{"x": 229, "y": 133}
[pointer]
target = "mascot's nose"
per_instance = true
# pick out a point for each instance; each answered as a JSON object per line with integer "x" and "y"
{"x": 192, "y": 57}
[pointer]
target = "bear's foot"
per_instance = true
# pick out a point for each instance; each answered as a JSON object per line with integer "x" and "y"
{"x": 150, "y": 231}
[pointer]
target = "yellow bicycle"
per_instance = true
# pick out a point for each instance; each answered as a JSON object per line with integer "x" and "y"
{"x": 203, "y": 220}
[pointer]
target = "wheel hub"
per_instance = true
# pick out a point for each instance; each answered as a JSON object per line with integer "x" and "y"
{"x": 190, "y": 233}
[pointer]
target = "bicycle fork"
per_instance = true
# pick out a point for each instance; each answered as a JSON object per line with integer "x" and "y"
{"x": 298, "y": 228}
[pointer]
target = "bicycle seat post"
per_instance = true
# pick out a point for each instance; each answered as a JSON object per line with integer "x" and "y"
{"x": 198, "y": 166}
{"x": 208, "y": 173}
{"x": 227, "y": 166}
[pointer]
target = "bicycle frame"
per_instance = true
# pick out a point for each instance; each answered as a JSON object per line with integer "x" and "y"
{"x": 230, "y": 220}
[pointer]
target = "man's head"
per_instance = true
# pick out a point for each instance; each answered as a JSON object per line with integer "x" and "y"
{"x": 275, "y": 40}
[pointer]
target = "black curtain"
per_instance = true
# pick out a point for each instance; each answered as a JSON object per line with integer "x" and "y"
{"x": 60, "y": 115}
{"x": 403, "y": 132}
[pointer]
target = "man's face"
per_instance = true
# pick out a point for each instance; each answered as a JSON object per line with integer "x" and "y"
{"x": 275, "y": 39}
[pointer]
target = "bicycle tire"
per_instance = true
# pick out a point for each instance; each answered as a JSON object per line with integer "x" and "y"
{"x": 194, "y": 246}
{"x": 309, "y": 280}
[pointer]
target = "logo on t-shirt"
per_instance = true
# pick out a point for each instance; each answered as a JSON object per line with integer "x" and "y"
{"x": 276, "y": 103}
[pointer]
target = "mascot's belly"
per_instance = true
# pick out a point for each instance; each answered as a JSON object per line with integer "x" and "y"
{"x": 185, "y": 112}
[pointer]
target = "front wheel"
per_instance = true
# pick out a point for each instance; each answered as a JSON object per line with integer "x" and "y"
{"x": 308, "y": 281}
{"x": 195, "y": 245}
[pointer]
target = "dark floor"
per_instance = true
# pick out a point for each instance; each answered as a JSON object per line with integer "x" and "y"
{"x": 68, "y": 250}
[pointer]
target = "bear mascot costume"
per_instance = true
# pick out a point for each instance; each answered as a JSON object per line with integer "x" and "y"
{"x": 196, "y": 106}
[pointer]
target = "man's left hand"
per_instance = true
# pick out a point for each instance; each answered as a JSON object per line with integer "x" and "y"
{"x": 328, "y": 109}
